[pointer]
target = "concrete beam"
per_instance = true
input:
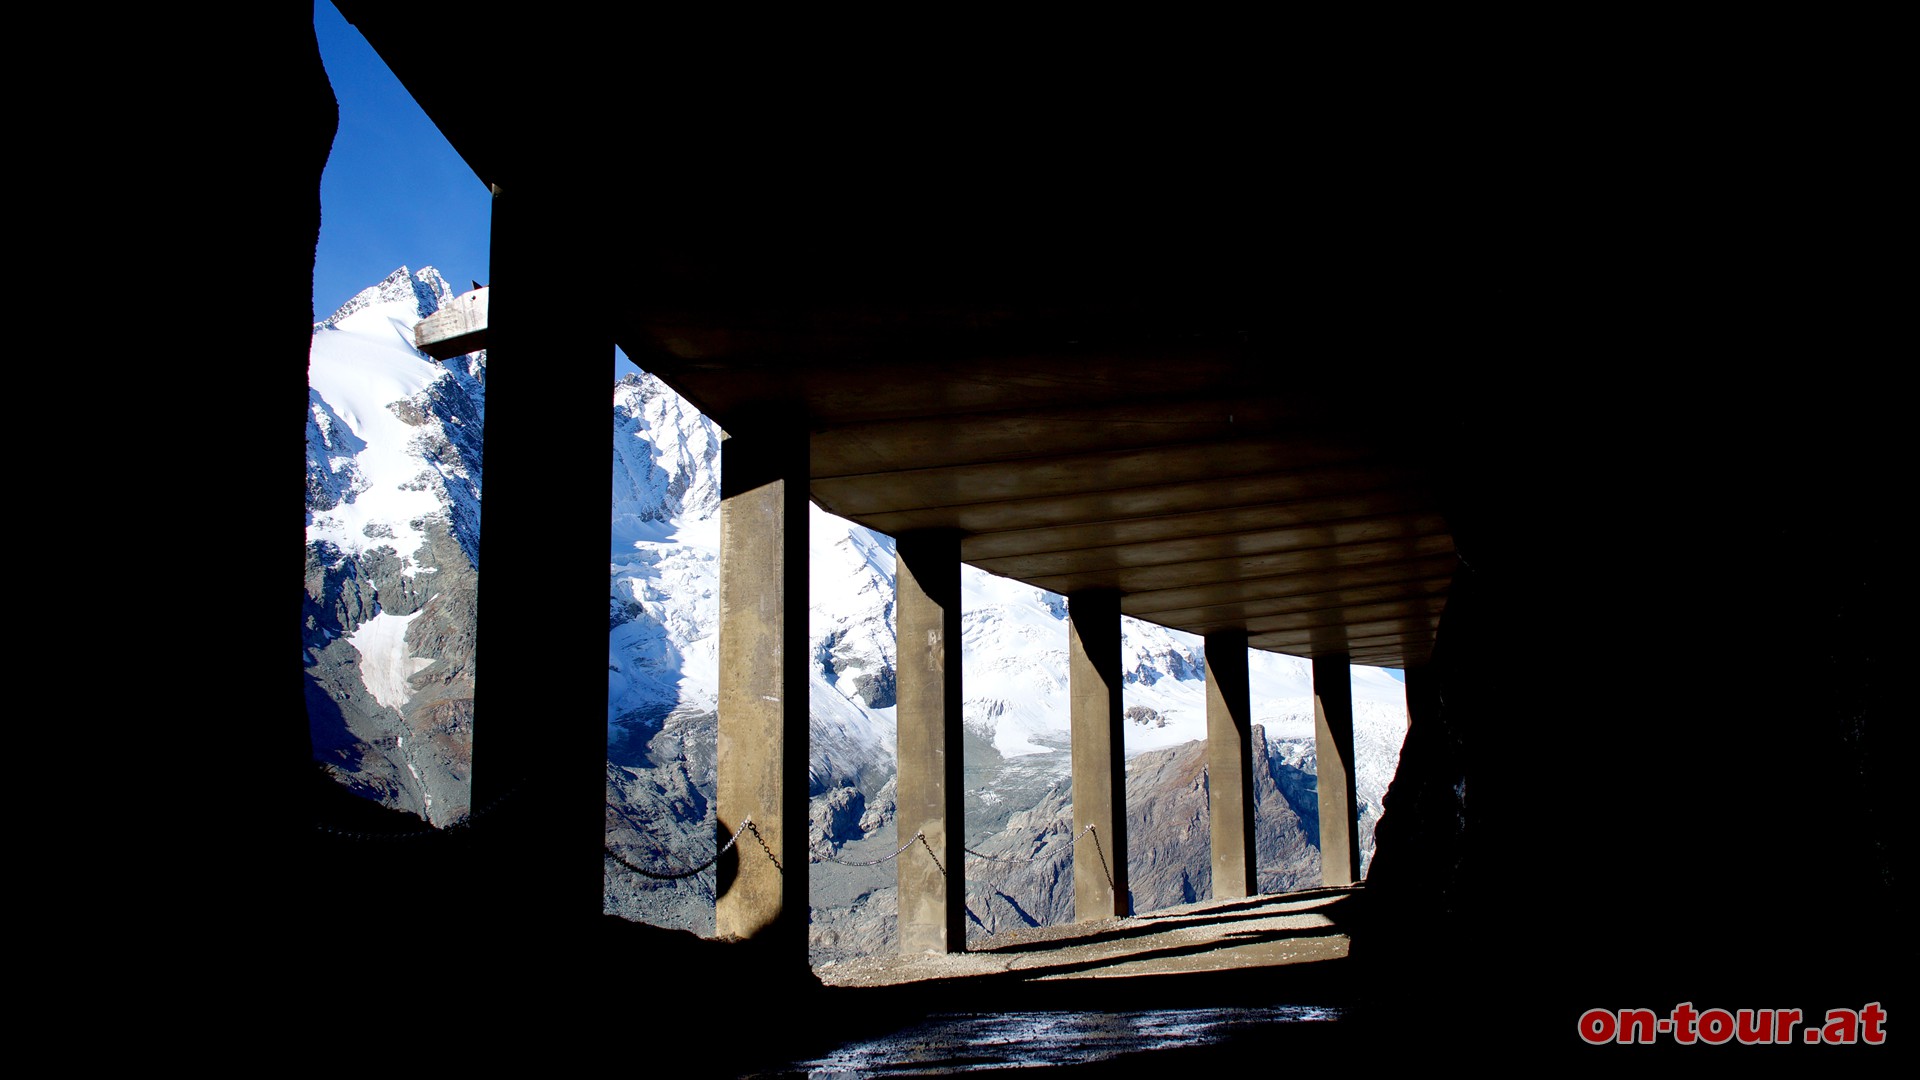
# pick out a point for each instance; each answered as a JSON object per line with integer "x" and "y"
{"x": 1230, "y": 765}
{"x": 454, "y": 330}
{"x": 1100, "y": 888}
{"x": 933, "y": 895}
{"x": 762, "y": 752}
{"x": 1333, "y": 746}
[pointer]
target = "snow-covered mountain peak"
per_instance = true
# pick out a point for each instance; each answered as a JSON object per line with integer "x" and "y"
{"x": 422, "y": 292}
{"x": 390, "y": 431}
{"x": 666, "y": 466}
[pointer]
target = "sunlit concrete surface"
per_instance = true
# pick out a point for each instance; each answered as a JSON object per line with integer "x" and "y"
{"x": 1212, "y": 936}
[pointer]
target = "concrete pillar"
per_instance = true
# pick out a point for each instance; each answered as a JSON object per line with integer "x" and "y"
{"x": 1230, "y": 765}
{"x": 539, "y": 722}
{"x": 1099, "y": 763}
{"x": 762, "y": 751}
{"x": 933, "y": 897}
{"x": 1333, "y": 746}
{"x": 1423, "y": 695}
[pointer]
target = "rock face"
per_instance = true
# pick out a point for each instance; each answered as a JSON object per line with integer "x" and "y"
{"x": 660, "y": 801}
{"x": 393, "y": 518}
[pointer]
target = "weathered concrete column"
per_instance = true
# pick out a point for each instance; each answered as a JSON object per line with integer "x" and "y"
{"x": 762, "y": 751}
{"x": 1423, "y": 695}
{"x": 1229, "y": 764}
{"x": 1333, "y": 746}
{"x": 1099, "y": 762}
{"x": 933, "y": 903}
{"x": 539, "y": 755}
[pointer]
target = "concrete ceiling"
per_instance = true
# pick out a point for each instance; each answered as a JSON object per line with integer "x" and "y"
{"x": 1202, "y": 490}
{"x": 1145, "y": 331}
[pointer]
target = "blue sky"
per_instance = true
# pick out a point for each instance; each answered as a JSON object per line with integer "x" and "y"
{"x": 394, "y": 193}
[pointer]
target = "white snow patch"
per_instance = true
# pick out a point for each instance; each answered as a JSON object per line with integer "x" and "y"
{"x": 385, "y": 664}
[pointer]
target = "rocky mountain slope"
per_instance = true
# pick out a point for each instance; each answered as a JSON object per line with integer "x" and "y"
{"x": 393, "y": 520}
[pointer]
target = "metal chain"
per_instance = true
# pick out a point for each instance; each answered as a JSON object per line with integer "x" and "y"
{"x": 922, "y": 837}
{"x": 749, "y": 826}
{"x": 643, "y": 872}
{"x": 875, "y": 862}
{"x": 918, "y": 838}
{"x": 430, "y": 831}
{"x": 1029, "y": 858}
{"x": 1111, "y": 887}
{"x": 410, "y": 834}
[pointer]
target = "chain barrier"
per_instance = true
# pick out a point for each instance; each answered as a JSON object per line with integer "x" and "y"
{"x": 749, "y": 826}
{"x": 1030, "y": 858}
{"x": 746, "y": 826}
{"x": 677, "y": 875}
{"x": 430, "y": 831}
{"x": 410, "y": 834}
{"x": 1111, "y": 887}
{"x": 1036, "y": 858}
{"x": 921, "y": 837}
{"x": 918, "y": 838}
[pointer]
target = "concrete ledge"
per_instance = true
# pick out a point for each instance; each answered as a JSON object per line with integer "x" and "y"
{"x": 454, "y": 330}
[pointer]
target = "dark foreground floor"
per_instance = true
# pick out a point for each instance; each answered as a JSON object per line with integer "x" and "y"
{"x": 1091, "y": 1042}
{"x": 1092, "y": 1025}
{"x": 1207, "y": 982}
